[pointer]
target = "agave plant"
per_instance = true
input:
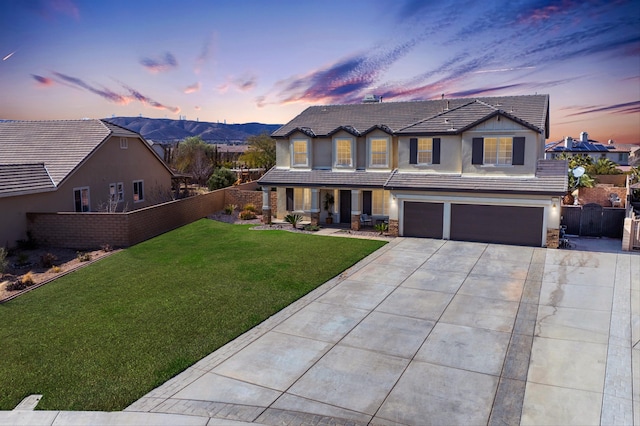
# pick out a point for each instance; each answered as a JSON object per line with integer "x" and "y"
{"x": 293, "y": 219}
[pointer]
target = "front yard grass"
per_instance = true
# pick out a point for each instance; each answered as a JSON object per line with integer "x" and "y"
{"x": 102, "y": 337}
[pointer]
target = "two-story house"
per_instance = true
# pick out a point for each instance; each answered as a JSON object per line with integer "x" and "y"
{"x": 618, "y": 153}
{"x": 462, "y": 169}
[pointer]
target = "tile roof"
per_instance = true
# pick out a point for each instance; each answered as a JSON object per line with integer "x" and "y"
{"x": 315, "y": 178}
{"x": 550, "y": 178}
{"x": 60, "y": 145}
{"x": 426, "y": 116}
{"x": 24, "y": 178}
{"x": 577, "y": 145}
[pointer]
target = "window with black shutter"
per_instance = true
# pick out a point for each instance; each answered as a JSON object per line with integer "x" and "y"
{"x": 477, "y": 152}
{"x": 518, "y": 151}
{"x": 289, "y": 199}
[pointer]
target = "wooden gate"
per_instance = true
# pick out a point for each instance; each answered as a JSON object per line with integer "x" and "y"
{"x": 591, "y": 220}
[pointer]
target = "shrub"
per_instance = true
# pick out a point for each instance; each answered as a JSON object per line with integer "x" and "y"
{"x": 381, "y": 227}
{"x": 247, "y": 215}
{"x": 293, "y": 219}
{"x": 84, "y": 257}
{"x": 47, "y": 259}
{"x": 230, "y": 208}
{"x": 23, "y": 259}
{"x": 27, "y": 279}
{"x": 106, "y": 247}
{"x": 15, "y": 286}
{"x": 29, "y": 244}
{"x": 3, "y": 261}
{"x": 251, "y": 207}
{"x": 221, "y": 178}
{"x": 312, "y": 228}
{"x": 56, "y": 270}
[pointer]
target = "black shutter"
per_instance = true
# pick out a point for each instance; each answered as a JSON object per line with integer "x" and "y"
{"x": 435, "y": 155}
{"x": 518, "y": 151}
{"x": 477, "y": 154}
{"x": 366, "y": 202}
{"x": 289, "y": 199}
{"x": 413, "y": 151}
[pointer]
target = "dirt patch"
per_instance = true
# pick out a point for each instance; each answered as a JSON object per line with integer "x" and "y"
{"x": 34, "y": 261}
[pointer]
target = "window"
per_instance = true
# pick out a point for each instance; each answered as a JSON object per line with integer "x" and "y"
{"x": 380, "y": 203}
{"x": 138, "y": 191}
{"x": 343, "y": 153}
{"x": 116, "y": 192}
{"x": 300, "y": 154}
{"x": 124, "y": 143}
{"x": 498, "y": 150}
{"x": 81, "y": 199}
{"x": 425, "y": 150}
{"x": 301, "y": 199}
{"x": 379, "y": 153}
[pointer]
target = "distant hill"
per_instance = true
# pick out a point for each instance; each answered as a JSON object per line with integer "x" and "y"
{"x": 166, "y": 130}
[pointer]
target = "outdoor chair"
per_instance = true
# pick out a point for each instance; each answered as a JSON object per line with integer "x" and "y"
{"x": 615, "y": 200}
{"x": 365, "y": 219}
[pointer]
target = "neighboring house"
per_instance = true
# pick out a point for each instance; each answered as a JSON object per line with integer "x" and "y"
{"x": 461, "y": 169}
{"x": 618, "y": 153}
{"x": 74, "y": 166}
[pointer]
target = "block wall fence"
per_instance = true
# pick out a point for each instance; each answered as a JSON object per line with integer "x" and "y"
{"x": 85, "y": 231}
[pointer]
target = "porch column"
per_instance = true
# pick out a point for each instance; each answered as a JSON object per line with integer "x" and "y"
{"x": 266, "y": 204}
{"x": 315, "y": 206}
{"x": 355, "y": 209}
{"x": 394, "y": 224}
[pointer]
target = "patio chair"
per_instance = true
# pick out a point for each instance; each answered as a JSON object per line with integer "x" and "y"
{"x": 615, "y": 200}
{"x": 365, "y": 219}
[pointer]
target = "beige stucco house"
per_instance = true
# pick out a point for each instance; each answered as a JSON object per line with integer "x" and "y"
{"x": 74, "y": 166}
{"x": 468, "y": 169}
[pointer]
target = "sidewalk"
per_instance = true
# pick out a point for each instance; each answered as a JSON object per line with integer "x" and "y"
{"x": 424, "y": 331}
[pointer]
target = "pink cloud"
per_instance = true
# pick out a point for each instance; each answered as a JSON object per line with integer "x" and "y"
{"x": 42, "y": 81}
{"x": 195, "y": 87}
{"x": 160, "y": 64}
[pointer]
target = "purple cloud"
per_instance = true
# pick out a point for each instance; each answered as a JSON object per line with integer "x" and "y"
{"x": 624, "y": 108}
{"x": 195, "y": 87}
{"x": 42, "y": 81}
{"x": 161, "y": 64}
{"x": 104, "y": 92}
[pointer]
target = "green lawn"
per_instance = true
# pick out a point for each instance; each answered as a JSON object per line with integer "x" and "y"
{"x": 103, "y": 336}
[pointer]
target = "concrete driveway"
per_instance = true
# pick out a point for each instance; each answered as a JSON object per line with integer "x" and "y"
{"x": 427, "y": 332}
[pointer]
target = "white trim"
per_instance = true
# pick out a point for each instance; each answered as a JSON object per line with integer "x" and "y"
{"x": 307, "y": 163}
{"x": 370, "y": 152}
{"x": 335, "y": 153}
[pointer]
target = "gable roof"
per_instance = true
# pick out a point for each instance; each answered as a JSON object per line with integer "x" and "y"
{"x": 59, "y": 147}
{"x": 588, "y": 146}
{"x": 419, "y": 116}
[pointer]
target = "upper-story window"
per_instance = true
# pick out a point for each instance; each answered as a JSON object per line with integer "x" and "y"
{"x": 379, "y": 152}
{"x": 343, "y": 151}
{"x": 425, "y": 150}
{"x": 300, "y": 152}
{"x": 499, "y": 151}
{"x": 124, "y": 143}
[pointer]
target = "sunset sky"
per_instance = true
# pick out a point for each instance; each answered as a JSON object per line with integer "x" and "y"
{"x": 265, "y": 61}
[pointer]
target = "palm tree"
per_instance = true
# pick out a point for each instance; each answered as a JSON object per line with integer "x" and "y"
{"x": 604, "y": 166}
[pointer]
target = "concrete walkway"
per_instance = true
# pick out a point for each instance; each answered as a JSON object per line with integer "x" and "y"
{"x": 423, "y": 332}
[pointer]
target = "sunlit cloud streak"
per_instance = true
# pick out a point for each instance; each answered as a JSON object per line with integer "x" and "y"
{"x": 9, "y": 55}
{"x": 623, "y": 108}
{"x": 195, "y": 87}
{"x": 161, "y": 64}
{"x": 148, "y": 101}
{"x": 42, "y": 81}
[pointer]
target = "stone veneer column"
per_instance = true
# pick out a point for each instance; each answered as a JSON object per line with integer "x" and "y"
{"x": 355, "y": 222}
{"x": 553, "y": 238}
{"x": 394, "y": 228}
{"x": 266, "y": 205}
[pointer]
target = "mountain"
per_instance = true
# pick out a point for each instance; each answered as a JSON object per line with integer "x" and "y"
{"x": 166, "y": 130}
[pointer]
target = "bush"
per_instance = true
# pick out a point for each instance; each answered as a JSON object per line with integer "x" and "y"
{"x": 221, "y": 178}
{"x": 312, "y": 228}
{"x": 293, "y": 219}
{"x": 247, "y": 215}
{"x": 381, "y": 227}
{"x": 15, "y": 286}
{"x": 106, "y": 247}
{"x": 56, "y": 270}
{"x": 251, "y": 207}
{"x": 21, "y": 284}
{"x": 47, "y": 260}
{"x": 84, "y": 257}
{"x": 230, "y": 208}
{"x": 3, "y": 261}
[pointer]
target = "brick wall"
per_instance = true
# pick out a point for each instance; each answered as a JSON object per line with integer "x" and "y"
{"x": 600, "y": 195}
{"x": 615, "y": 180}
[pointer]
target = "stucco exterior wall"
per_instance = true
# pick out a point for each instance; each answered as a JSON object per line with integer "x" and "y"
{"x": 450, "y": 156}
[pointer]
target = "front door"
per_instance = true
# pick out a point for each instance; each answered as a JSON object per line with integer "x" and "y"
{"x": 345, "y": 206}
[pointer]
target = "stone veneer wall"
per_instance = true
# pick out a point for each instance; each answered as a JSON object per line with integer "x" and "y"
{"x": 553, "y": 238}
{"x": 394, "y": 228}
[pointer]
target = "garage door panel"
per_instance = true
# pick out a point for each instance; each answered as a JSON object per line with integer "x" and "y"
{"x": 423, "y": 219}
{"x": 497, "y": 224}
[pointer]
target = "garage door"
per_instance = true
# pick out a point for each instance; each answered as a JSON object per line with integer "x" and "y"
{"x": 497, "y": 224}
{"x": 422, "y": 219}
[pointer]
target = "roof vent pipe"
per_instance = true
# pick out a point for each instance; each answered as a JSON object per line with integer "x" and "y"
{"x": 568, "y": 142}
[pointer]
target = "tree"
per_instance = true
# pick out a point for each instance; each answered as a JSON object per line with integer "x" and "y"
{"x": 221, "y": 178}
{"x": 261, "y": 152}
{"x": 195, "y": 157}
{"x": 584, "y": 181}
{"x": 604, "y": 166}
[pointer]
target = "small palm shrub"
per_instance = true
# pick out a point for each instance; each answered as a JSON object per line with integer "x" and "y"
{"x": 293, "y": 219}
{"x": 251, "y": 207}
{"x": 381, "y": 227}
{"x": 229, "y": 209}
{"x": 247, "y": 215}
